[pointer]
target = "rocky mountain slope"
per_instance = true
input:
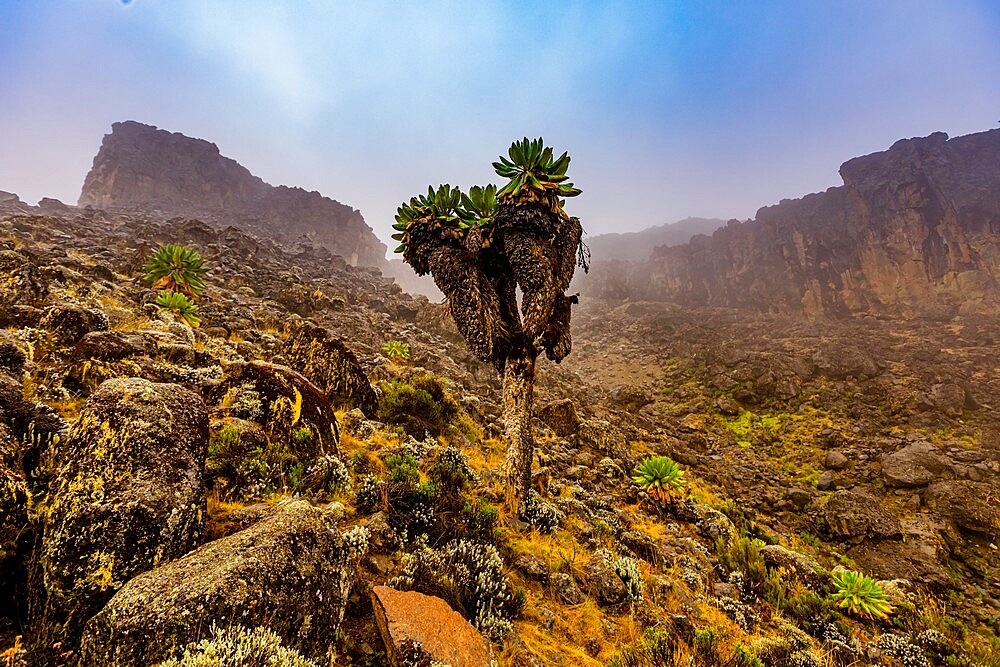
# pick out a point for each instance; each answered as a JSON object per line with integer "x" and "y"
{"x": 141, "y": 167}
{"x": 302, "y": 471}
{"x": 914, "y": 229}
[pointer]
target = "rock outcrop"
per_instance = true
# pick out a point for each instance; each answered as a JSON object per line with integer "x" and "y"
{"x": 329, "y": 364}
{"x": 127, "y": 496}
{"x": 142, "y": 167}
{"x": 914, "y": 230}
{"x": 288, "y": 573}
{"x": 414, "y": 625}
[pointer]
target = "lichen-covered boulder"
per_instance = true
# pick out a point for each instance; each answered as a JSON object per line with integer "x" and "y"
{"x": 561, "y": 417}
{"x": 21, "y": 283}
{"x": 114, "y": 345}
{"x": 605, "y": 585}
{"x": 12, "y": 356}
{"x": 289, "y": 572}
{"x": 332, "y": 367}
{"x": 126, "y": 497}
{"x": 67, "y": 323}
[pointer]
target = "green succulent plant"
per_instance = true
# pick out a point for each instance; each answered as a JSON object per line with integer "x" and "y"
{"x": 396, "y": 349}
{"x": 478, "y": 206}
{"x": 178, "y": 268}
{"x": 180, "y": 306}
{"x": 860, "y": 595}
{"x": 660, "y": 477}
{"x": 437, "y": 212}
{"x": 535, "y": 175}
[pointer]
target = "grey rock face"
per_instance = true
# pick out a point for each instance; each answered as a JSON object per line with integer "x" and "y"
{"x": 289, "y": 572}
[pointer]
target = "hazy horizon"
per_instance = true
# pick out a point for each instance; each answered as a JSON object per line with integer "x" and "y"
{"x": 669, "y": 110}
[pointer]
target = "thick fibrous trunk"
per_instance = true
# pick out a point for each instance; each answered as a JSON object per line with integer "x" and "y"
{"x": 518, "y": 388}
{"x": 472, "y": 298}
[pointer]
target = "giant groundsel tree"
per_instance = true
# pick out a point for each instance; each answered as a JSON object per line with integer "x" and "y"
{"x": 484, "y": 246}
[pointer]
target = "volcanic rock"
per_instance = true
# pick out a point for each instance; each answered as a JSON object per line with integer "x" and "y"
{"x": 855, "y": 515}
{"x": 917, "y": 464}
{"x": 561, "y": 417}
{"x": 439, "y": 632}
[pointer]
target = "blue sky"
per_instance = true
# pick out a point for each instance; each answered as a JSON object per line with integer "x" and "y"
{"x": 669, "y": 109}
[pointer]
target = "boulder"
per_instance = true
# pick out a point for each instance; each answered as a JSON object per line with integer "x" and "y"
{"x": 972, "y": 506}
{"x": 901, "y": 560}
{"x": 606, "y": 587}
{"x": 561, "y": 417}
{"x": 949, "y": 398}
{"x": 827, "y": 481}
{"x": 413, "y": 622}
{"x": 835, "y": 460}
{"x": 67, "y": 323}
{"x": 917, "y": 464}
{"x": 565, "y": 589}
{"x": 855, "y": 516}
{"x": 288, "y": 572}
{"x": 127, "y": 496}
{"x": 331, "y": 366}
{"x": 114, "y": 345}
{"x": 21, "y": 284}
{"x": 604, "y": 437}
{"x": 796, "y": 565}
{"x": 12, "y": 356}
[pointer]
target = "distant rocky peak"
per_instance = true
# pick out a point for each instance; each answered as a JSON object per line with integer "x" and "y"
{"x": 142, "y": 167}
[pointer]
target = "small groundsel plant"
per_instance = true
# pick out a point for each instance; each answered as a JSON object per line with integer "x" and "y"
{"x": 180, "y": 306}
{"x": 176, "y": 268}
{"x": 237, "y": 646}
{"x": 396, "y": 350}
{"x": 660, "y": 477}
{"x": 860, "y": 595}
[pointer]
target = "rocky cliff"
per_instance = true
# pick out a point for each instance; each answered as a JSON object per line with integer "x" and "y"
{"x": 142, "y": 167}
{"x": 913, "y": 230}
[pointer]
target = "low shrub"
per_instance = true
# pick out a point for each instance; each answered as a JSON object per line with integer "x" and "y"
{"x": 240, "y": 647}
{"x": 420, "y": 406}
